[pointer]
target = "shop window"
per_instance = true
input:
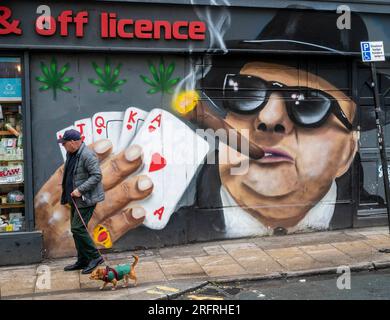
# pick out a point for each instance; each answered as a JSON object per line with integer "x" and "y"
{"x": 12, "y": 213}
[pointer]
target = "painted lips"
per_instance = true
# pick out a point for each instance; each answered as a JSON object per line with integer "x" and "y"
{"x": 275, "y": 155}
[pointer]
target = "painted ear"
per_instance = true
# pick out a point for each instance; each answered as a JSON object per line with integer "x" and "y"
{"x": 348, "y": 154}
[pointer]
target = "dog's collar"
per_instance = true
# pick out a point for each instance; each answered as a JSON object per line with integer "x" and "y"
{"x": 107, "y": 274}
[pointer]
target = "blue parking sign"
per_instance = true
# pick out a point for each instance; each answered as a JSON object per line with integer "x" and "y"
{"x": 366, "y": 56}
{"x": 366, "y": 51}
{"x": 365, "y": 46}
{"x": 372, "y": 51}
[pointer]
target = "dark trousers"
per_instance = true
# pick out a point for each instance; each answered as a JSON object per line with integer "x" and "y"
{"x": 86, "y": 250}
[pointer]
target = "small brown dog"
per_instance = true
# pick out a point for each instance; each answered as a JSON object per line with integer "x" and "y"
{"x": 113, "y": 275}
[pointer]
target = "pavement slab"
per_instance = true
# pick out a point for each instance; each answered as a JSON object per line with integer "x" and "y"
{"x": 181, "y": 268}
{"x": 254, "y": 260}
{"x": 17, "y": 282}
{"x": 149, "y": 271}
{"x": 180, "y": 252}
{"x": 358, "y": 250}
{"x": 214, "y": 250}
{"x": 310, "y": 238}
{"x": 168, "y": 272}
{"x": 327, "y": 254}
{"x": 238, "y": 246}
{"x": 293, "y": 258}
{"x": 220, "y": 265}
{"x": 372, "y": 231}
{"x": 378, "y": 241}
{"x": 59, "y": 282}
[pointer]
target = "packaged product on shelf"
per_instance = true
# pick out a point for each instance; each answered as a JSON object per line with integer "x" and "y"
{"x": 15, "y": 215}
{"x": 12, "y": 120}
{"x": 15, "y": 197}
{"x": 11, "y": 129}
{"x": 3, "y": 223}
{"x": 2, "y": 150}
{"x": 19, "y": 153}
{"x": 20, "y": 141}
{"x": 16, "y": 220}
{"x": 12, "y": 173}
{"x": 11, "y": 143}
{"x": 3, "y": 220}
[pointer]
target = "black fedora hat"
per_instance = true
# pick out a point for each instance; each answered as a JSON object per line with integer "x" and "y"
{"x": 303, "y": 29}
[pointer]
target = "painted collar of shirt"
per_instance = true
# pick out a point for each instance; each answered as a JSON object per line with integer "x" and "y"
{"x": 239, "y": 223}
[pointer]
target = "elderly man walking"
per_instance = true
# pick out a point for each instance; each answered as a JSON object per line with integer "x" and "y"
{"x": 82, "y": 182}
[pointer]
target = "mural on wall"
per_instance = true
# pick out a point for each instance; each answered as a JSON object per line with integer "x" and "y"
{"x": 303, "y": 127}
{"x": 302, "y": 115}
{"x": 107, "y": 77}
{"x": 161, "y": 78}
{"x": 54, "y": 79}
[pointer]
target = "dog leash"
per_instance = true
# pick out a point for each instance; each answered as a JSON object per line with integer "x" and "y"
{"x": 86, "y": 228}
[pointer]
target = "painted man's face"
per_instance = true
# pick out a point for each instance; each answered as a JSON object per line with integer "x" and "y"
{"x": 300, "y": 163}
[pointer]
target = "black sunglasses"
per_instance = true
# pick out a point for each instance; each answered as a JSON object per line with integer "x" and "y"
{"x": 306, "y": 107}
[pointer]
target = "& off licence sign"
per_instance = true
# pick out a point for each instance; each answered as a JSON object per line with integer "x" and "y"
{"x": 372, "y": 51}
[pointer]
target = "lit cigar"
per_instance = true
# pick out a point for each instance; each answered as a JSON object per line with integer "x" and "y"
{"x": 207, "y": 115}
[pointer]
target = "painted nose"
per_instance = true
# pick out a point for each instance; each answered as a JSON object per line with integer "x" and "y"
{"x": 273, "y": 118}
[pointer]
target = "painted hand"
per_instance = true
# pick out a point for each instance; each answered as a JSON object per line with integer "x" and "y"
{"x": 116, "y": 214}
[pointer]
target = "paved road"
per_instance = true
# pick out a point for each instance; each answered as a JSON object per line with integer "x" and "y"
{"x": 371, "y": 285}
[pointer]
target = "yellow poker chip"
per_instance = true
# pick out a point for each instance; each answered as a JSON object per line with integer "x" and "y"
{"x": 102, "y": 236}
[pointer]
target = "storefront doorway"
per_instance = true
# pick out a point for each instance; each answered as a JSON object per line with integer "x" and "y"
{"x": 371, "y": 203}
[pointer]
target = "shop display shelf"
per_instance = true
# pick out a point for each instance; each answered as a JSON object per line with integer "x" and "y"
{"x": 11, "y": 184}
{"x": 10, "y": 206}
{"x": 11, "y": 101}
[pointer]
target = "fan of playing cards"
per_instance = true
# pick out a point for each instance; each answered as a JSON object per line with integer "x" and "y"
{"x": 172, "y": 153}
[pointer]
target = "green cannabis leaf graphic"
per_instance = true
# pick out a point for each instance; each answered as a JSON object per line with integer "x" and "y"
{"x": 108, "y": 77}
{"x": 161, "y": 78}
{"x": 54, "y": 79}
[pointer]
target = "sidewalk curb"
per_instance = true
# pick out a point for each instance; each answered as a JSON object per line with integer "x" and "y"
{"x": 270, "y": 276}
{"x": 361, "y": 266}
{"x": 357, "y": 267}
{"x": 381, "y": 264}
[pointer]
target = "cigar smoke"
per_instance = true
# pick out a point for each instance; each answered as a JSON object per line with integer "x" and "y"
{"x": 218, "y": 22}
{"x": 187, "y": 101}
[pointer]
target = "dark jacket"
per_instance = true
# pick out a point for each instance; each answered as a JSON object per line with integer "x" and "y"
{"x": 87, "y": 178}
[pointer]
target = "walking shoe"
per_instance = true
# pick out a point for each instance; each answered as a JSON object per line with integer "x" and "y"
{"x": 92, "y": 265}
{"x": 78, "y": 265}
